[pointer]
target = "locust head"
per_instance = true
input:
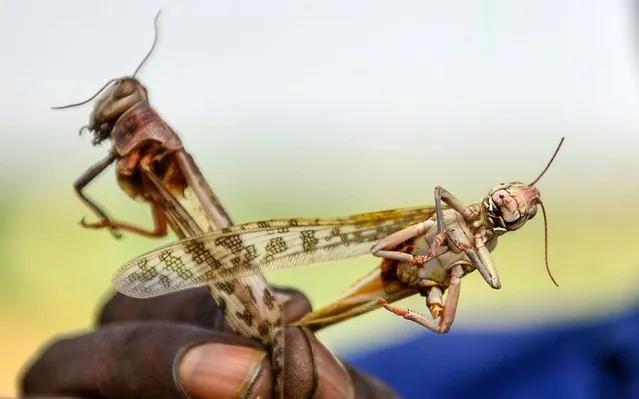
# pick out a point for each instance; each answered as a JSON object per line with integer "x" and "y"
{"x": 119, "y": 95}
{"x": 509, "y": 206}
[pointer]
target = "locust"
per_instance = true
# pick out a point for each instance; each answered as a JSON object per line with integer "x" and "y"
{"x": 152, "y": 165}
{"x": 425, "y": 250}
{"x": 140, "y": 140}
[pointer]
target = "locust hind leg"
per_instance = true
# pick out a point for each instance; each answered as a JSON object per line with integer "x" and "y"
{"x": 448, "y": 312}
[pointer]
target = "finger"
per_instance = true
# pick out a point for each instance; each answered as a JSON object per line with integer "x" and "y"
{"x": 311, "y": 370}
{"x": 168, "y": 360}
{"x": 295, "y": 303}
{"x": 48, "y": 397}
{"x": 140, "y": 360}
{"x": 306, "y": 356}
{"x": 194, "y": 306}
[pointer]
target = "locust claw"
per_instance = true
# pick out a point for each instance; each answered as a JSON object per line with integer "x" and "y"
{"x": 440, "y": 328}
{"x": 96, "y": 225}
{"x": 391, "y": 308}
{"x": 394, "y": 309}
{"x": 84, "y": 223}
{"x": 101, "y": 224}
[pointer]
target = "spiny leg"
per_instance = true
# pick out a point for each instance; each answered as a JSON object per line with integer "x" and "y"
{"x": 86, "y": 178}
{"x": 448, "y": 313}
{"x": 443, "y": 234}
{"x": 439, "y": 243}
{"x": 403, "y": 235}
{"x": 149, "y": 187}
{"x": 480, "y": 259}
{"x": 406, "y": 234}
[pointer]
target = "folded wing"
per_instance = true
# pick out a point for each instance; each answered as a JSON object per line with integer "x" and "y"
{"x": 217, "y": 256}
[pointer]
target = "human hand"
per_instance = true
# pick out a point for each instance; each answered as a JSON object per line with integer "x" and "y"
{"x": 179, "y": 346}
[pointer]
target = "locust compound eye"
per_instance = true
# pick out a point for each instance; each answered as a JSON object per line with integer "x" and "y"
{"x": 508, "y": 208}
{"x": 124, "y": 89}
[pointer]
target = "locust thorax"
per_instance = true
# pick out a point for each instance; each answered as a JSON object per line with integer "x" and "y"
{"x": 510, "y": 206}
{"x": 116, "y": 100}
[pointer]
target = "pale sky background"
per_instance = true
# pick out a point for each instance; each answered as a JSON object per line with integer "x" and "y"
{"x": 261, "y": 81}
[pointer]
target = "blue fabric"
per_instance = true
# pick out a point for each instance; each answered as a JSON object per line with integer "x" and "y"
{"x": 599, "y": 359}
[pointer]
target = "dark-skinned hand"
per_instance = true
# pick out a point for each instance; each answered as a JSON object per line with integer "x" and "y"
{"x": 180, "y": 346}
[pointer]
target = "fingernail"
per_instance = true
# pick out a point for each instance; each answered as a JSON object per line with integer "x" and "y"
{"x": 220, "y": 370}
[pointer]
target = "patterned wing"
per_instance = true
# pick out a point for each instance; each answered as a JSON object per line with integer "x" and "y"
{"x": 232, "y": 252}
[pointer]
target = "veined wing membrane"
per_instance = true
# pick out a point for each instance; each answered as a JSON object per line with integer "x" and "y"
{"x": 230, "y": 252}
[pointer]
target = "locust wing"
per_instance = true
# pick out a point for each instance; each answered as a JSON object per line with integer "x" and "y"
{"x": 361, "y": 298}
{"x": 208, "y": 205}
{"x": 235, "y": 251}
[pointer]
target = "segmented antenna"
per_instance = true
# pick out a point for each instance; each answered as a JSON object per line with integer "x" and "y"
{"x": 549, "y": 162}
{"x": 543, "y": 210}
{"x": 155, "y": 40}
{"x": 146, "y": 57}
{"x": 89, "y": 99}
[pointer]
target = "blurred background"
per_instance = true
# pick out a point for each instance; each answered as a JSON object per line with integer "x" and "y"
{"x": 316, "y": 109}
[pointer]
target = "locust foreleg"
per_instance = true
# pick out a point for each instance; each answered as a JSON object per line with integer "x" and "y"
{"x": 484, "y": 264}
{"x": 160, "y": 225}
{"x": 444, "y": 234}
{"x": 450, "y": 307}
{"x": 397, "y": 238}
{"x": 479, "y": 256}
{"x": 86, "y": 178}
{"x": 448, "y": 313}
{"x": 160, "y": 228}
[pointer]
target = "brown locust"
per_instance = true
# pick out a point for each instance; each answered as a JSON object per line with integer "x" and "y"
{"x": 152, "y": 165}
{"x": 425, "y": 250}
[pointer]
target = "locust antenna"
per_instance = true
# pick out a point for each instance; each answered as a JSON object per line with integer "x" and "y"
{"x": 155, "y": 40}
{"x": 543, "y": 210}
{"x": 146, "y": 57}
{"x": 549, "y": 162}
{"x": 87, "y": 100}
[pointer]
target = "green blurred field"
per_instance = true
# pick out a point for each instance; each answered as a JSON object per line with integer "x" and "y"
{"x": 55, "y": 274}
